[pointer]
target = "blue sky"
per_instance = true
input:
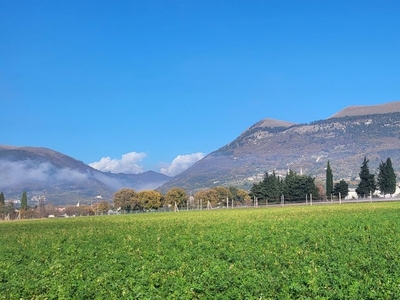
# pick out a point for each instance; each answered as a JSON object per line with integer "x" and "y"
{"x": 140, "y": 85}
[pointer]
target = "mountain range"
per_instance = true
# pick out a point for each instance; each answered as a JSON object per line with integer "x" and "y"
{"x": 271, "y": 145}
{"x": 344, "y": 139}
{"x": 62, "y": 179}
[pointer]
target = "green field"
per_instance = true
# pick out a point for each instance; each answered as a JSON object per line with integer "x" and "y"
{"x": 318, "y": 252}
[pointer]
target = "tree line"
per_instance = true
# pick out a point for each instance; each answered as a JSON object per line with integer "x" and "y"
{"x": 296, "y": 187}
{"x": 385, "y": 182}
{"x": 272, "y": 188}
{"x": 176, "y": 198}
{"x": 293, "y": 188}
{"x": 9, "y": 211}
{"x": 128, "y": 200}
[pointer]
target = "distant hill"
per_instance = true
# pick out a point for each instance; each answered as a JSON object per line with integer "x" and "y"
{"x": 385, "y": 108}
{"x": 343, "y": 139}
{"x": 63, "y": 179}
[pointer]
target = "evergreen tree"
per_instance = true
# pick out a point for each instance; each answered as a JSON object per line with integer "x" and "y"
{"x": 257, "y": 190}
{"x": 329, "y": 180}
{"x": 386, "y": 178}
{"x": 383, "y": 178}
{"x": 392, "y": 177}
{"x": 367, "y": 184}
{"x": 268, "y": 189}
{"x": 2, "y": 199}
{"x": 24, "y": 201}
{"x": 341, "y": 187}
{"x": 271, "y": 187}
{"x": 298, "y": 187}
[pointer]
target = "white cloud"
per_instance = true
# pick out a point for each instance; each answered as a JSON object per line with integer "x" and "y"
{"x": 127, "y": 164}
{"x": 181, "y": 163}
{"x": 12, "y": 173}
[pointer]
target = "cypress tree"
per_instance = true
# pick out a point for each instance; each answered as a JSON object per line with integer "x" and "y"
{"x": 386, "y": 178}
{"x": 392, "y": 177}
{"x": 329, "y": 180}
{"x": 2, "y": 199}
{"x": 24, "y": 201}
{"x": 383, "y": 178}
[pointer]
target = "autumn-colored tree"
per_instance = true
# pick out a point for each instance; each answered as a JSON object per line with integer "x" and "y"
{"x": 41, "y": 209}
{"x": 205, "y": 196}
{"x": 239, "y": 196}
{"x": 223, "y": 194}
{"x": 149, "y": 199}
{"x": 70, "y": 210}
{"x": 175, "y": 195}
{"x": 86, "y": 210}
{"x": 52, "y": 210}
{"x": 321, "y": 191}
{"x": 219, "y": 195}
{"x": 6, "y": 209}
{"x": 126, "y": 199}
{"x": 101, "y": 208}
{"x": 82, "y": 210}
{"x": 30, "y": 213}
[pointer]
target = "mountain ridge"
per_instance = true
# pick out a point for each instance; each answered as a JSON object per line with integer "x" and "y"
{"x": 344, "y": 140}
{"x": 359, "y": 110}
{"x": 61, "y": 178}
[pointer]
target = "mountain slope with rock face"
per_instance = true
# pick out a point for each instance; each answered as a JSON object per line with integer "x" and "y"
{"x": 344, "y": 140}
{"x": 63, "y": 179}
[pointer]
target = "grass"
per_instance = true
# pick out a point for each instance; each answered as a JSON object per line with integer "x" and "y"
{"x": 308, "y": 252}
